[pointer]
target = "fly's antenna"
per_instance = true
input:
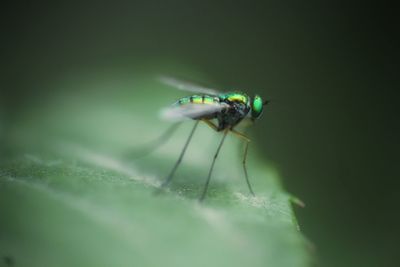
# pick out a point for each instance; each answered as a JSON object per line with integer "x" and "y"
{"x": 266, "y": 102}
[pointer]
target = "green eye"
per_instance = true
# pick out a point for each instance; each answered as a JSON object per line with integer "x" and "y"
{"x": 257, "y": 107}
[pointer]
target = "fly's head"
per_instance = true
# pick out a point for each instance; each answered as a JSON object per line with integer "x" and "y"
{"x": 257, "y": 106}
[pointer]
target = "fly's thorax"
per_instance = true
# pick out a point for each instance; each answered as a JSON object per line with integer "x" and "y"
{"x": 236, "y": 97}
{"x": 239, "y": 107}
{"x": 237, "y": 100}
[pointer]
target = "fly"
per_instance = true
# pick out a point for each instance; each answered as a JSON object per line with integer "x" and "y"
{"x": 220, "y": 111}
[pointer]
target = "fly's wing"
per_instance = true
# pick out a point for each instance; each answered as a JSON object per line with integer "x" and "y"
{"x": 187, "y": 86}
{"x": 191, "y": 111}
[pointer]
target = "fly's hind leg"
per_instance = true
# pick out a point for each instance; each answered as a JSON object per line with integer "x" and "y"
{"x": 171, "y": 175}
{"x": 247, "y": 140}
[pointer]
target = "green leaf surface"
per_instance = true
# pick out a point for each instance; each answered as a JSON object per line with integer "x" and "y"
{"x": 74, "y": 193}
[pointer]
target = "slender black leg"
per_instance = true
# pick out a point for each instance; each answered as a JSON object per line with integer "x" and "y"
{"x": 147, "y": 149}
{"x": 171, "y": 175}
{"x": 212, "y": 167}
{"x": 245, "y": 169}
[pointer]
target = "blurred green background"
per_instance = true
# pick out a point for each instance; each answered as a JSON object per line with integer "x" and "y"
{"x": 329, "y": 69}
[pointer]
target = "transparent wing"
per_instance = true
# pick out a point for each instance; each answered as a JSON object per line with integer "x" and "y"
{"x": 187, "y": 86}
{"x": 191, "y": 111}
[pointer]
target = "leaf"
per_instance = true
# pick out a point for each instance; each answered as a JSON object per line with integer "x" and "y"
{"x": 73, "y": 193}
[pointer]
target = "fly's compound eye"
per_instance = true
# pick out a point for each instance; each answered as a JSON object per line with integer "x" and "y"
{"x": 256, "y": 107}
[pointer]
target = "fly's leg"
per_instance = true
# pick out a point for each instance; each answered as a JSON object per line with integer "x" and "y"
{"x": 212, "y": 125}
{"x": 212, "y": 167}
{"x": 171, "y": 175}
{"x": 161, "y": 140}
{"x": 245, "y": 169}
{"x": 247, "y": 140}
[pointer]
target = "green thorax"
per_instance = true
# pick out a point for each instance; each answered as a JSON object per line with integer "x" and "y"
{"x": 236, "y": 97}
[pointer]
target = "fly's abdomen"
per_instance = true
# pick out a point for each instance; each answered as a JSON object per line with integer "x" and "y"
{"x": 198, "y": 99}
{"x": 198, "y": 106}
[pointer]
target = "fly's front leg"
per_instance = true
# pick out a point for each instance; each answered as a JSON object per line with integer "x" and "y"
{"x": 245, "y": 168}
{"x": 247, "y": 140}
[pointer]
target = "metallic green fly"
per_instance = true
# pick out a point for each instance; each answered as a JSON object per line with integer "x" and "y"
{"x": 221, "y": 111}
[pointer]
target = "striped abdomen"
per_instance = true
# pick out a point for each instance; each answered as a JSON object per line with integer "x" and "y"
{"x": 198, "y": 99}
